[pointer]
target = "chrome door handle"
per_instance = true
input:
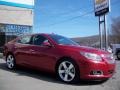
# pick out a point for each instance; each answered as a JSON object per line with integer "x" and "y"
{"x": 31, "y": 50}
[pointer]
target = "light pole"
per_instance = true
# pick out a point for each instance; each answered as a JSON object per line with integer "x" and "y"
{"x": 101, "y": 9}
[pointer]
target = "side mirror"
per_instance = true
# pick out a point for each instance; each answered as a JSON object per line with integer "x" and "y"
{"x": 47, "y": 44}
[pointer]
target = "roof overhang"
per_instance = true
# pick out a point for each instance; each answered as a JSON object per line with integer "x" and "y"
{"x": 29, "y": 4}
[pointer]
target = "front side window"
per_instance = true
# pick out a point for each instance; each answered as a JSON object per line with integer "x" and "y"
{"x": 39, "y": 40}
{"x": 24, "y": 40}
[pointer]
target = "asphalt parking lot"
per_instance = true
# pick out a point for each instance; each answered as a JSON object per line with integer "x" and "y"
{"x": 24, "y": 79}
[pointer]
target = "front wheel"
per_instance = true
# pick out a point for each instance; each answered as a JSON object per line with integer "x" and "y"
{"x": 10, "y": 61}
{"x": 118, "y": 55}
{"x": 67, "y": 71}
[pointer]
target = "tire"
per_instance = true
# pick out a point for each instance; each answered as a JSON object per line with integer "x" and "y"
{"x": 68, "y": 71}
{"x": 118, "y": 55}
{"x": 10, "y": 61}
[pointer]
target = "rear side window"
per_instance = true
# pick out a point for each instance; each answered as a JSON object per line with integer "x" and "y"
{"x": 24, "y": 40}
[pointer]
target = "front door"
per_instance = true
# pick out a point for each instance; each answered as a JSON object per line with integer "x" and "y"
{"x": 42, "y": 57}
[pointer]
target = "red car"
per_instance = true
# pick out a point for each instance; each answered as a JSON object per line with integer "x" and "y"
{"x": 60, "y": 55}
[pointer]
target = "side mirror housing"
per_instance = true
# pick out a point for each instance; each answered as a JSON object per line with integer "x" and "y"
{"x": 47, "y": 44}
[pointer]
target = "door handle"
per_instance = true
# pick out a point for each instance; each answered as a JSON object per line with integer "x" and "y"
{"x": 31, "y": 50}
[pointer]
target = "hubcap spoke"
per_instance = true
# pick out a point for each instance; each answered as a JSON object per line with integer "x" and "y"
{"x": 70, "y": 67}
{"x": 66, "y": 77}
{"x": 64, "y": 65}
{"x": 10, "y": 57}
{"x": 61, "y": 71}
{"x": 71, "y": 74}
{"x": 8, "y": 61}
{"x": 10, "y": 65}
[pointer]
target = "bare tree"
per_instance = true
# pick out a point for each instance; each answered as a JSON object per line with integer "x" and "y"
{"x": 115, "y": 30}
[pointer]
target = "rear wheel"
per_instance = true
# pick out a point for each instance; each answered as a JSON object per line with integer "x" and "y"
{"x": 67, "y": 71}
{"x": 10, "y": 61}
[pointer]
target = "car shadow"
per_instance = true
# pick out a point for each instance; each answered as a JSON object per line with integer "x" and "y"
{"x": 44, "y": 76}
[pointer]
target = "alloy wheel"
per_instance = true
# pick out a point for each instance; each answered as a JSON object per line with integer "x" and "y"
{"x": 66, "y": 71}
{"x": 10, "y": 61}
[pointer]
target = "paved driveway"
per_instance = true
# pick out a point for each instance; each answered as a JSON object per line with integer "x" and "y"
{"x": 22, "y": 79}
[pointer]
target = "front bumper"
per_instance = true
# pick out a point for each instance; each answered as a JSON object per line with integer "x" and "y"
{"x": 86, "y": 69}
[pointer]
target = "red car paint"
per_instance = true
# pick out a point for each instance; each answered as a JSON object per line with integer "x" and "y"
{"x": 45, "y": 58}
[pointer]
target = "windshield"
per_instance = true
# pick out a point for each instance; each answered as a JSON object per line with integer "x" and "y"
{"x": 62, "y": 40}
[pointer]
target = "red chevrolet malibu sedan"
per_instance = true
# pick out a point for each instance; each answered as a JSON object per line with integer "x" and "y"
{"x": 60, "y": 55}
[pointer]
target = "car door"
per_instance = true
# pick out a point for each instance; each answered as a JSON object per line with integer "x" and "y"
{"x": 42, "y": 57}
{"x": 22, "y": 50}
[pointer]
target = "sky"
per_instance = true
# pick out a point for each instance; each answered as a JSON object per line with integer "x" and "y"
{"x": 71, "y": 18}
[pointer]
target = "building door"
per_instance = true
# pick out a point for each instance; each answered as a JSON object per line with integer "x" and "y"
{"x": 2, "y": 41}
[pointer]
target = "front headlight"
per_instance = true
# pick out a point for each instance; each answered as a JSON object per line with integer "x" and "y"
{"x": 109, "y": 58}
{"x": 91, "y": 56}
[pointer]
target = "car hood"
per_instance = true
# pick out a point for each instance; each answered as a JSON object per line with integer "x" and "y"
{"x": 83, "y": 49}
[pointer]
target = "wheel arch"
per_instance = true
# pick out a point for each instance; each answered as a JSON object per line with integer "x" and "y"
{"x": 9, "y": 53}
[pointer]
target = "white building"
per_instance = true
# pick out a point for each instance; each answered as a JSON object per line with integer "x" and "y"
{"x": 16, "y": 18}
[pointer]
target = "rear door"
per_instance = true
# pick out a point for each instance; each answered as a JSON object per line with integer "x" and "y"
{"x": 22, "y": 50}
